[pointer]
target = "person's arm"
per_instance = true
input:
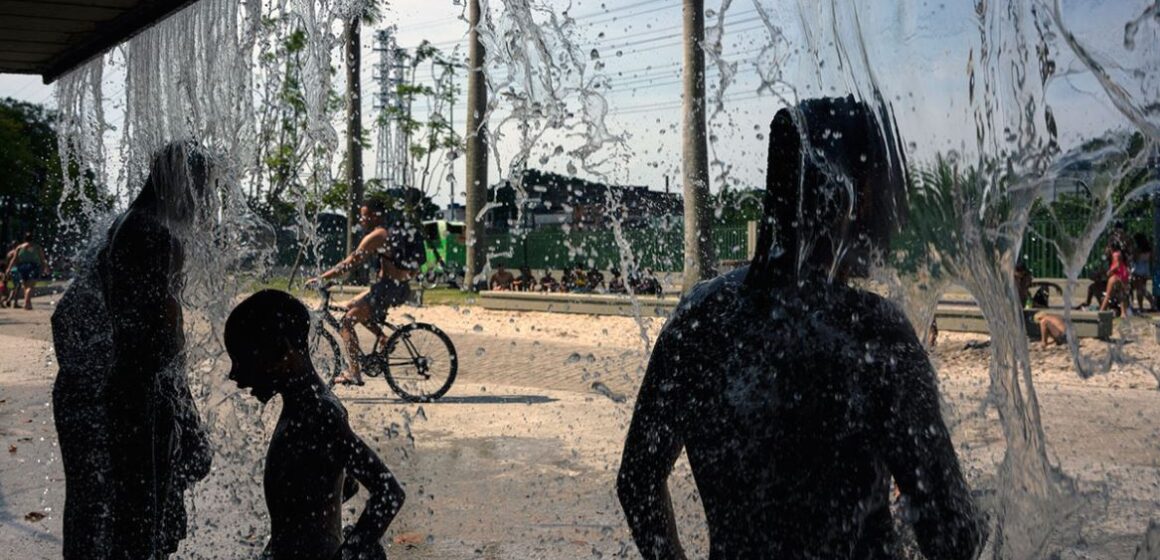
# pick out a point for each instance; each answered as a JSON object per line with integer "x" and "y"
{"x": 369, "y": 245}
{"x": 918, "y": 448}
{"x": 386, "y": 494}
{"x": 43, "y": 260}
{"x": 650, "y": 450}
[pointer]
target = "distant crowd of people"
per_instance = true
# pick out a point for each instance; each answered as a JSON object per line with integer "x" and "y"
{"x": 1121, "y": 277}
{"x": 577, "y": 279}
{"x": 1124, "y": 275}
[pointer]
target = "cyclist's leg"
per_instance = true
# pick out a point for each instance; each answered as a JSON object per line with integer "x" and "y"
{"x": 359, "y": 310}
{"x": 394, "y": 293}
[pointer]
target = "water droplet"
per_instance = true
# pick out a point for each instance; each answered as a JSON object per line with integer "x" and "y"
{"x": 573, "y": 358}
{"x": 595, "y": 54}
{"x": 480, "y": 352}
{"x": 477, "y": 328}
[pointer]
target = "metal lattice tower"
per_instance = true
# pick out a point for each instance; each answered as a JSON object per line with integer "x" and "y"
{"x": 391, "y": 157}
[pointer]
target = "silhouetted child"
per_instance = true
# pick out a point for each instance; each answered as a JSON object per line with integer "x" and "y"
{"x": 313, "y": 447}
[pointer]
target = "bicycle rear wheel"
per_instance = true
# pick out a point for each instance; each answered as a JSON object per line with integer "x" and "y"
{"x": 326, "y": 355}
{"x": 421, "y": 363}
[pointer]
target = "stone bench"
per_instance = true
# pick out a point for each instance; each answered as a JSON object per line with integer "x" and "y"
{"x": 963, "y": 318}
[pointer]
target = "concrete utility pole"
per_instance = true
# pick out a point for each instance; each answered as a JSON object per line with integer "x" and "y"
{"x": 476, "y": 152}
{"x": 700, "y": 261}
{"x": 354, "y": 162}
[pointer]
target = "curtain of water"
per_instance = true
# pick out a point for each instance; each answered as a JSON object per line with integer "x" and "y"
{"x": 199, "y": 77}
{"x": 984, "y": 184}
{"x": 969, "y": 85}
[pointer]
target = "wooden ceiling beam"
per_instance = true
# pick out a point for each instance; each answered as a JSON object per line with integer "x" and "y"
{"x": 112, "y": 33}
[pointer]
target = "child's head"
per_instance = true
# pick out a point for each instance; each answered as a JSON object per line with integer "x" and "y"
{"x": 266, "y": 337}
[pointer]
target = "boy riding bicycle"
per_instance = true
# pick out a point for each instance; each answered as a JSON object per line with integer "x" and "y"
{"x": 400, "y": 253}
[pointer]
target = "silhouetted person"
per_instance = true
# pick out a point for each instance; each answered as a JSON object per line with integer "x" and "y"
{"x": 1142, "y": 271}
{"x": 502, "y": 280}
{"x": 797, "y": 397}
{"x": 1023, "y": 281}
{"x": 130, "y": 436}
{"x": 313, "y": 446}
{"x": 26, "y": 265}
{"x": 399, "y": 252}
{"x": 616, "y": 284}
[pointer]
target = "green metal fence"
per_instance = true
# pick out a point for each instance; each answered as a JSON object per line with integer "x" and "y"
{"x": 655, "y": 248}
{"x": 1042, "y": 257}
{"x": 663, "y": 248}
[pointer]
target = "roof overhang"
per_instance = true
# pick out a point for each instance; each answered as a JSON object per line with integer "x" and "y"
{"x": 51, "y": 37}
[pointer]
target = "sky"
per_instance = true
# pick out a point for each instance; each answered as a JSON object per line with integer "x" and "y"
{"x": 919, "y": 54}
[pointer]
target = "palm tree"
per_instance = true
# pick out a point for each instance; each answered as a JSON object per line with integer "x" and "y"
{"x": 354, "y": 131}
{"x": 699, "y": 259}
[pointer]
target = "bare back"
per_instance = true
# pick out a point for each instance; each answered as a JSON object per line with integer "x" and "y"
{"x": 795, "y": 413}
{"x": 303, "y": 483}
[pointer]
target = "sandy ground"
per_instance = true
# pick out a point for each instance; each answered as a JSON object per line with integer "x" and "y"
{"x": 519, "y": 460}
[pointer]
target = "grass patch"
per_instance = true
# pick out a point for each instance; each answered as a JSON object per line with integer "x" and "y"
{"x": 448, "y": 296}
{"x": 432, "y": 296}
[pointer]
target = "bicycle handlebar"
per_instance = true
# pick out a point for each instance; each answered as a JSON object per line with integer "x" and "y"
{"x": 324, "y": 286}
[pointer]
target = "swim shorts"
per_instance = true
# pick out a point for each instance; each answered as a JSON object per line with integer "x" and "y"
{"x": 25, "y": 272}
{"x": 385, "y": 294}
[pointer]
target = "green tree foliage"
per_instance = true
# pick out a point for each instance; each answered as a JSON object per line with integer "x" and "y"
{"x": 432, "y": 144}
{"x": 404, "y": 204}
{"x": 32, "y": 185}
{"x": 292, "y": 167}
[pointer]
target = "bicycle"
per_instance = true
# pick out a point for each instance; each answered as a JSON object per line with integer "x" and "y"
{"x": 418, "y": 360}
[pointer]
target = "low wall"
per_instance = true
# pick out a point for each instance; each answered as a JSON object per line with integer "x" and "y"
{"x": 961, "y": 318}
{"x": 587, "y": 304}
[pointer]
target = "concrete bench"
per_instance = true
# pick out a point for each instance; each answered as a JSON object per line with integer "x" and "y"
{"x": 587, "y": 304}
{"x": 961, "y": 318}
{"x": 1085, "y": 324}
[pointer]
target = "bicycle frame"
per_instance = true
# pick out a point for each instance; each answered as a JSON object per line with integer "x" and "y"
{"x": 395, "y": 348}
{"x": 326, "y": 312}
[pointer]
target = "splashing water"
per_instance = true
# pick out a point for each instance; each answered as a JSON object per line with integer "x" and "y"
{"x": 983, "y": 96}
{"x": 192, "y": 77}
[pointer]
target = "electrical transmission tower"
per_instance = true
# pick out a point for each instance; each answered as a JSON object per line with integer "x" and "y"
{"x": 391, "y": 159}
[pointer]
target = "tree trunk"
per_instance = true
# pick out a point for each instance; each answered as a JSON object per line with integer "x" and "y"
{"x": 353, "y": 129}
{"x": 699, "y": 258}
{"x": 476, "y": 152}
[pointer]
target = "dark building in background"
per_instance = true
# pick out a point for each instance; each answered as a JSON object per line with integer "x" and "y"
{"x": 554, "y": 200}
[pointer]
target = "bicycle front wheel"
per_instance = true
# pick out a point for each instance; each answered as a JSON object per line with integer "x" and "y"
{"x": 326, "y": 355}
{"x": 421, "y": 363}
